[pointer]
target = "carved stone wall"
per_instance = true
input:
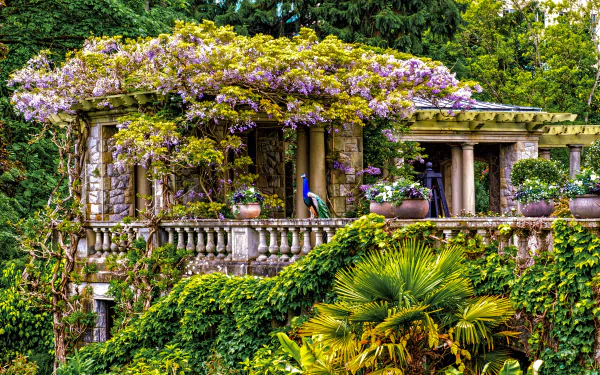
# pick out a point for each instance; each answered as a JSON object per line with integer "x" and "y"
{"x": 270, "y": 163}
{"x": 345, "y": 147}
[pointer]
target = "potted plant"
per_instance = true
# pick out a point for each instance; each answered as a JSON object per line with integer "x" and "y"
{"x": 380, "y": 198}
{"x": 536, "y": 197}
{"x": 403, "y": 198}
{"x": 584, "y": 191}
{"x": 246, "y": 202}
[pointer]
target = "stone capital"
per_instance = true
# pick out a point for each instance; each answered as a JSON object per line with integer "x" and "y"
{"x": 316, "y": 129}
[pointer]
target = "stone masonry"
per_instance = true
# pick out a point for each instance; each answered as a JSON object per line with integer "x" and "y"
{"x": 346, "y": 147}
{"x": 109, "y": 188}
{"x": 510, "y": 154}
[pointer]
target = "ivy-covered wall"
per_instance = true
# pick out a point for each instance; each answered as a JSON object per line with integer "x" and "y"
{"x": 218, "y": 320}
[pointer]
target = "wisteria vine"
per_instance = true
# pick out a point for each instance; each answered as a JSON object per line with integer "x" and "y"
{"x": 227, "y": 78}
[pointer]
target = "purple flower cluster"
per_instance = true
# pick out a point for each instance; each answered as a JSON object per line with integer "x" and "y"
{"x": 389, "y": 135}
{"x": 371, "y": 170}
{"x": 296, "y": 81}
{"x": 343, "y": 167}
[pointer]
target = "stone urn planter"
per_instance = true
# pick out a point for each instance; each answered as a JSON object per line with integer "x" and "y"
{"x": 384, "y": 209}
{"x": 412, "y": 209}
{"x": 585, "y": 206}
{"x": 537, "y": 209}
{"x": 246, "y": 211}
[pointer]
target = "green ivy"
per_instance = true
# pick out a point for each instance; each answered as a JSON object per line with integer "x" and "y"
{"x": 559, "y": 292}
{"x": 235, "y": 316}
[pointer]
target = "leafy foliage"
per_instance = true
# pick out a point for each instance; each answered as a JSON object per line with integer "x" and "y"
{"x": 234, "y": 316}
{"x": 397, "y": 309}
{"x": 546, "y": 171}
{"x": 559, "y": 293}
{"x": 24, "y": 328}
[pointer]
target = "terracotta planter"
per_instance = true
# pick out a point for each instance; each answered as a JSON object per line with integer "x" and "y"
{"x": 585, "y": 206}
{"x": 384, "y": 209}
{"x": 412, "y": 209}
{"x": 246, "y": 211}
{"x": 537, "y": 209}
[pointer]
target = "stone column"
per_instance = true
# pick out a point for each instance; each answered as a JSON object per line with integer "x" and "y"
{"x": 457, "y": 175}
{"x": 142, "y": 186}
{"x": 468, "y": 186}
{"x": 575, "y": 159}
{"x": 544, "y": 153}
{"x": 301, "y": 168}
{"x": 317, "y": 176}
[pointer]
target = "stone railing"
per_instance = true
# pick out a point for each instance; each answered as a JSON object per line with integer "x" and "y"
{"x": 280, "y": 240}
{"x": 235, "y": 246}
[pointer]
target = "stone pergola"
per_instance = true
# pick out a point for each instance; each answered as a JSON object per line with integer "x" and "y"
{"x": 495, "y": 133}
{"x": 498, "y": 134}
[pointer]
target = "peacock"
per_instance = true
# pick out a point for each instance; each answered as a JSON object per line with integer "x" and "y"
{"x": 315, "y": 204}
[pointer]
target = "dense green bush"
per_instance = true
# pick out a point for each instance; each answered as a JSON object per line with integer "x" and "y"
{"x": 24, "y": 329}
{"x": 591, "y": 156}
{"x": 547, "y": 171}
{"x": 235, "y": 316}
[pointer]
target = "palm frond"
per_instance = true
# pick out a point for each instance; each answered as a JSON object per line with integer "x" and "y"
{"x": 479, "y": 316}
{"x": 338, "y": 310}
{"x": 336, "y": 333}
{"x": 371, "y": 312}
{"x": 403, "y": 317}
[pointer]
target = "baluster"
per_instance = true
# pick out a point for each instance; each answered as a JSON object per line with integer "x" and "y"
{"x": 171, "y": 238}
{"x": 295, "y": 244}
{"x": 523, "y": 257}
{"x": 284, "y": 247}
{"x": 503, "y": 241}
{"x": 330, "y": 233}
{"x": 131, "y": 232}
{"x": 543, "y": 240}
{"x": 180, "y": 239}
{"x": 220, "y": 243}
{"x": 262, "y": 244}
{"x": 229, "y": 247}
{"x": 200, "y": 248}
{"x": 114, "y": 237}
{"x": 306, "y": 246}
{"x": 190, "y": 240}
{"x": 273, "y": 247}
{"x": 98, "y": 244}
{"x": 318, "y": 231}
{"x": 448, "y": 234}
{"x": 106, "y": 243}
{"x": 210, "y": 243}
{"x": 485, "y": 237}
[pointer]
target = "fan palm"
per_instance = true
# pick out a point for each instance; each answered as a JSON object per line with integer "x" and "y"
{"x": 408, "y": 310}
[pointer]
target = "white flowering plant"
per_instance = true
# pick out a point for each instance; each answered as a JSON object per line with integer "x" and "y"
{"x": 535, "y": 190}
{"x": 396, "y": 191}
{"x": 585, "y": 182}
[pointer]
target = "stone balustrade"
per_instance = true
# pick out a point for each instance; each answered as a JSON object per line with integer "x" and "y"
{"x": 271, "y": 240}
{"x": 235, "y": 246}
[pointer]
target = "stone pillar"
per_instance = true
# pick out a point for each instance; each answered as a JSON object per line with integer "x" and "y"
{"x": 457, "y": 175}
{"x": 544, "y": 153}
{"x": 574, "y": 159}
{"x": 468, "y": 168}
{"x": 301, "y": 168}
{"x": 143, "y": 186}
{"x": 317, "y": 176}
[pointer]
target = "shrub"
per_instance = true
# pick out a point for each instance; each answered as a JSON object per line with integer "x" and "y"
{"x": 547, "y": 171}
{"x": 19, "y": 366}
{"x": 591, "y": 156}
